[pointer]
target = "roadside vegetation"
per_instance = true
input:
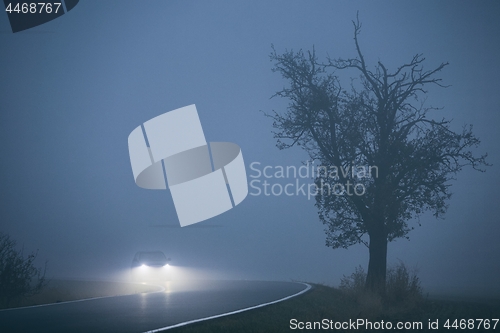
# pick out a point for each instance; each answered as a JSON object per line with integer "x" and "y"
{"x": 19, "y": 278}
{"x": 404, "y": 302}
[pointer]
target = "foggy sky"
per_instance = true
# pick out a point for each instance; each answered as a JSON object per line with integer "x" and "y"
{"x": 73, "y": 89}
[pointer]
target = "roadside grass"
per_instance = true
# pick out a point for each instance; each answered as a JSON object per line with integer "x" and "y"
{"x": 323, "y": 302}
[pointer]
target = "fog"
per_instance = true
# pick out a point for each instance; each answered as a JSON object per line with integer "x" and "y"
{"x": 73, "y": 89}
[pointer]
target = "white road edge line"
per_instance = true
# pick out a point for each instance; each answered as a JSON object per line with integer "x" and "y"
{"x": 308, "y": 286}
{"x": 83, "y": 300}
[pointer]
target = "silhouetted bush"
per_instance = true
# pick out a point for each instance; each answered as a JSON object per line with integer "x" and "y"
{"x": 18, "y": 276}
{"x": 402, "y": 285}
{"x": 369, "y": 304}
{"x": 355, "y": 283}
{"x": 402, "y": 288}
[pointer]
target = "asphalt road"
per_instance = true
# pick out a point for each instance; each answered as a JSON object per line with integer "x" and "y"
{"x": 179, "y": 302}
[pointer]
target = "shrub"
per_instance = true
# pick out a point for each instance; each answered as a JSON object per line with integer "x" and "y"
{"x": 402, "y": 286}
{"x": 18, "y": 276}
{"x": 369, "y": 304}
{"x": 355, "y": 283}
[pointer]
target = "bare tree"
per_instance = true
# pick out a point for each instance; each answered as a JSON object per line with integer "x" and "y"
{"x": 379, "y": 121}
{"x": 18, "y": 276}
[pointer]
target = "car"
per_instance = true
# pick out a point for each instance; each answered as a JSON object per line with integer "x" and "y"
{"x": 150, "y": 259}
{"x": 150, "y": 266}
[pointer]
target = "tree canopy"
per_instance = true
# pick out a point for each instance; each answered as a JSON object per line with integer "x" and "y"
{"x": 379, "y": 120}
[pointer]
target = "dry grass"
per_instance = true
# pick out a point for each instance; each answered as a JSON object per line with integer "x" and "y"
{"x": 403, "y": 290}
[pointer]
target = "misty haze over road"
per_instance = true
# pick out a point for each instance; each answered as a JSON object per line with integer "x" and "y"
{"x": 180, "y": 302}
{"x": 74, "y": 88}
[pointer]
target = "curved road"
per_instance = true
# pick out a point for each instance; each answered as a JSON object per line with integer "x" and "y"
{"x": 179, "y": 302}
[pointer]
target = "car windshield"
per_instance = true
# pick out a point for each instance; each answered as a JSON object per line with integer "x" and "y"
{"x": 152, "y": 256}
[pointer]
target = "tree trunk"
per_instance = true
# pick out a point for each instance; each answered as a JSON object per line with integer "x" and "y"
{"x": 377, "y": 266}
